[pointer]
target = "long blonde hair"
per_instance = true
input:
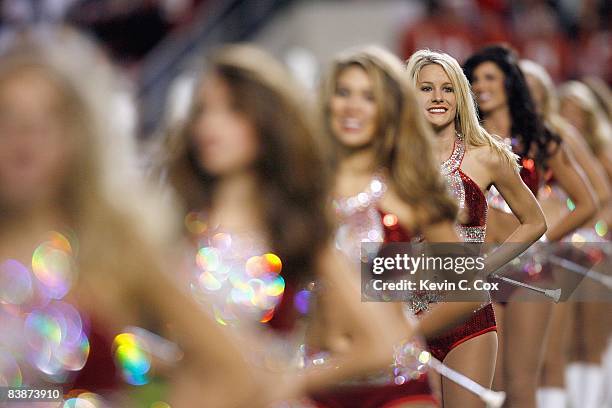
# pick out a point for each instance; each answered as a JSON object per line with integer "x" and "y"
{"x": 598, "y": 133}
{"x": 466, "y": 120}
{"x": 403, "y": 143}
{"x": 108, "y": 220}
{"x": 550, "y": 105}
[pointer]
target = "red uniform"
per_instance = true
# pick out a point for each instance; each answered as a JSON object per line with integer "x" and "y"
{"x": 473, "y": 202}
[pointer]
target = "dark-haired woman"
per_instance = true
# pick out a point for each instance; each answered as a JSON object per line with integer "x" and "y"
{"x": 507, "y": 110}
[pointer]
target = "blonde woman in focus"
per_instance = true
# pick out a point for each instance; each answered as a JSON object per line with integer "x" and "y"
{"x": 446, "y": 102}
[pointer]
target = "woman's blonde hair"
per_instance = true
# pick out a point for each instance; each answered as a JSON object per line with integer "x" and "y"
{"x": 114, "y": 220}
{"x": 597, "y": 134}
{"x": 403, "y": 142}
{"x": 601, "y": 92}
{"x": 550, "y": 104}
{"x": 466, "y": 120}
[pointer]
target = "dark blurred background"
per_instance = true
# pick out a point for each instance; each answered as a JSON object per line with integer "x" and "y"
{"x": 156, "y": 42}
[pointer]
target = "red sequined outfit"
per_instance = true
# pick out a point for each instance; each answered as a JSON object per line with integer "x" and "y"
{"x": 482, "y": 320}
{"x": 529, "y": 174}
{"x": 472, "y": 202}
{"x": 384, "y": 394}
{"x": 471, "y": 199}
{"x": 377, "y": 395}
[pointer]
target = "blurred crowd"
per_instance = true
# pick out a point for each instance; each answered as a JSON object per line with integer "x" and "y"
{"x": 215, "y": 267}
{"x": 570, "y": 39}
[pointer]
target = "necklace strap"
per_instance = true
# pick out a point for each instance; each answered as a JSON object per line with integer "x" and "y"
{"x": 453, "y": 163}
{"x": 347, "y": 206}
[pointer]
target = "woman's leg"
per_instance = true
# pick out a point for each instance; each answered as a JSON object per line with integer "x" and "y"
{"x": 551, "y": 391}
{"x": 476, "y": 359}
{"x": 498, "y": 379}
{"x": 557, "y": 346}
{"x": 586, "y": 374}
{"x": 526, "y": 326}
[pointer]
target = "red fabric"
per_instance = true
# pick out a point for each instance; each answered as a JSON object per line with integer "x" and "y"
{"x": 530, "y": 175}
{"x": 506, "y": 290}
{"x": 285, "y": 315}
{"x": 394, "y": 232}
{"x": 482, "y": 321}
{"x": 475, "y": 202}
{"x": 99, "y": 373}
{"x": 376, "y": 396}
{"x": 385, "y": 395}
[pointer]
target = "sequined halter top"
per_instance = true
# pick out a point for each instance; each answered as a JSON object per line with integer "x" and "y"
{"x": 472, "y": 202}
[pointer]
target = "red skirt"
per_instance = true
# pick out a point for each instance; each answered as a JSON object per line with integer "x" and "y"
{"x": 376, "y": 396}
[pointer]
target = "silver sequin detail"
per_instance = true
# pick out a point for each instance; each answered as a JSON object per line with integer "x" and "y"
{"x": 419, "y": 301}
{"x": 472, "y": 234}
{"x": 449, "y": 170}
{"x": 345, "y": 207}
{"x": 360, "y": 220}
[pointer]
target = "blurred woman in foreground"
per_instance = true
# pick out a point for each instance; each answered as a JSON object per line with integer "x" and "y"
{"x": 97, "y": 261}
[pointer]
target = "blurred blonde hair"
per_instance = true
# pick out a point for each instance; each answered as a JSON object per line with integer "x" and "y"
{"x": 118, "y": 224}
{"x": 550, "y": 105}
{"x": 602, "y": 93}
{"x": 466, "y": 120}
{"x": 597, "y": 134}
{"x": 403, "y": 142}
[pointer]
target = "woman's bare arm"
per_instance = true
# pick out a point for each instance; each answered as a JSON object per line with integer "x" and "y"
{"x": 525, "y": 208}
{"x": 573, "y": 181}
{"x": 446, "y": 315}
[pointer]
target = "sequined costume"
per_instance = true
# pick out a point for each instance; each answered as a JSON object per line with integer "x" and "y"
{"x": 535, "y": 271}
{"x": 237, "y": 278}
{"x": 99, "y": 374}
{"x": 44, "y": 338}
{"x": 470, "y": 198}
{"x": 532, "y": 267}
{"x": 531, "y": 176}
{"x": 482, "y": 320}
{"x": 471, "y": 201}
{"x": 363, "y": 221}
{"x": 376, "y": 395}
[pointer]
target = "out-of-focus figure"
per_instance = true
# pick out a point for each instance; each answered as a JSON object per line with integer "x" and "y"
{"x": 81, "y": 258}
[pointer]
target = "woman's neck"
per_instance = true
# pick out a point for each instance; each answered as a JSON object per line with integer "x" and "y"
{"x": 27, "y": 225}
{"x": 498, "y": 122}
{"x": 357, "y": 163}
{"x": 354, "y": 172}
{"x": 235, "y": 203}
{"x": 444, "y": 142}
